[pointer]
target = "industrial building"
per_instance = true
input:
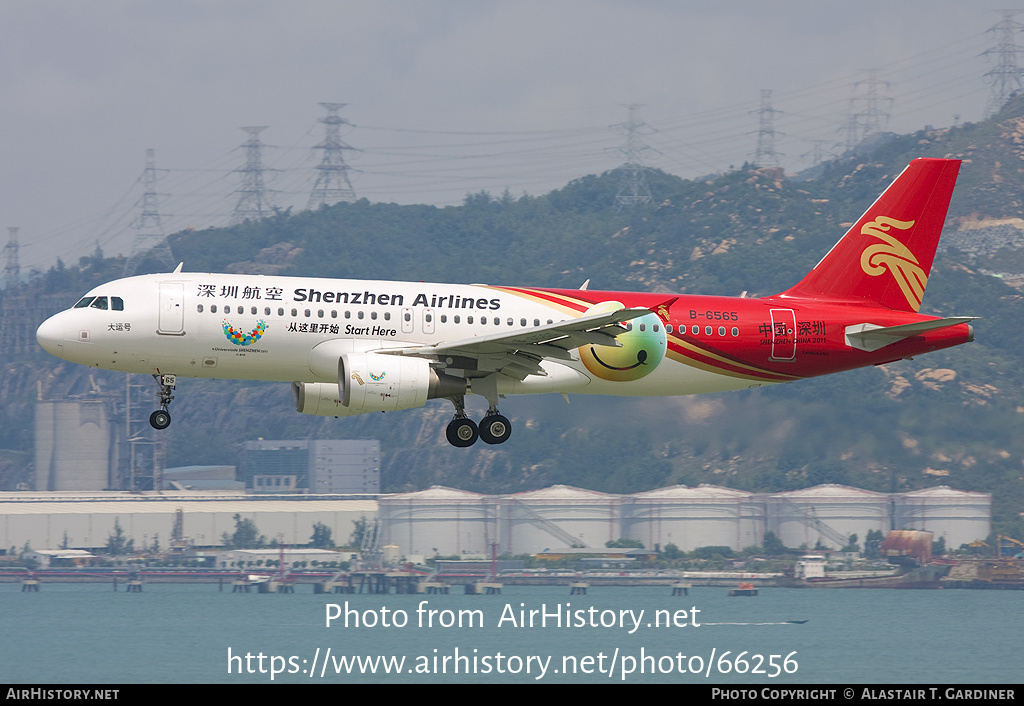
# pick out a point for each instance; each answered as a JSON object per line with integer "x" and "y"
{"x": 446, "y": 521}
{"x": 313, "y": 466}
{"x": 88, "y": 520}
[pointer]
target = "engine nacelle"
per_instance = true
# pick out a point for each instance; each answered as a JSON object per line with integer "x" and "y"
{"x": 319, "y": 398}
{"x": 371, "y": 382}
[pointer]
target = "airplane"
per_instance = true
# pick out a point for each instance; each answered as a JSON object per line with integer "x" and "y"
{"x": 355, "y": 346}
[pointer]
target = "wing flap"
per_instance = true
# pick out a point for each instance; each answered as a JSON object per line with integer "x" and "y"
{"x": 521, "y": 350}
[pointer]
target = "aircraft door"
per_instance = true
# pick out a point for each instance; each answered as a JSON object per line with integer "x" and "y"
{"x": 171, "y": 321}
{"x": 407, "y": 320}
{"x": 428, "y": 321}
{"x": 783, "y": 334}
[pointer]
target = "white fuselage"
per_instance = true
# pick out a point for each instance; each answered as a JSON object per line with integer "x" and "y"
{"x": 256, "y": 327}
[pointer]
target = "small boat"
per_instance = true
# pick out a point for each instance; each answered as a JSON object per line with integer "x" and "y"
{"x": 745, "y": 589}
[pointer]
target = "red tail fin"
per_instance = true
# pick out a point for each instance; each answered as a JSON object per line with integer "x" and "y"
{"x": 886, "y": 257}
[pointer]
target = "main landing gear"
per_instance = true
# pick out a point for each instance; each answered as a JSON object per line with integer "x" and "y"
{"x": 161, "y": 419}
{"x": 462, "y": 431}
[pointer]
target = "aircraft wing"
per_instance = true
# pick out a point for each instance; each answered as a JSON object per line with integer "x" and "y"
{"x": 518, "y": 353}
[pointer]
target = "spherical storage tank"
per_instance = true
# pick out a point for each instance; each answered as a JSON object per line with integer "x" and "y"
{"x": 695, "y": 517}
{"x": 439, "y": 520}
{"x": 558, "y": 517}
{"x": 956, "y": 515}
{"x": 826, "y": 513}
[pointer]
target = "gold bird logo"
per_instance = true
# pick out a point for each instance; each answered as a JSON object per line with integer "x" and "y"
{"x": 894, "y": 256}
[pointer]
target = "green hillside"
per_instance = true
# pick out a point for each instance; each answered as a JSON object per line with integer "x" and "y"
{"x": 951, "y": 418}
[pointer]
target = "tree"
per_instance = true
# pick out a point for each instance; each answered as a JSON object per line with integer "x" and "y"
{"x": 873, "y": 544}
{"x": 245, "y": 536}
{"x": 355, "y": 540}
{"x": 321, "y": 538}
{"x": 117, "y": 544}
{"x": 773, "y": 546}
{"x": 623, "y": 543}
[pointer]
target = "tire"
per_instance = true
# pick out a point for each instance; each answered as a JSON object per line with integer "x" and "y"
{"x": 462, "y": 432}
{"x": 160, "y": 419}
{"x": 495, "y": 429}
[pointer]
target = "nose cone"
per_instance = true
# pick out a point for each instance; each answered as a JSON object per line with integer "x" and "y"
{"x": 50, "y": 335}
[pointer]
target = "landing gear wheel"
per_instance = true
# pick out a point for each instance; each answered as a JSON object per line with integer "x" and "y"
{"x": 160, "y": 419}
{"x": 495, "y": 429}
{"x": 462, "y": 432}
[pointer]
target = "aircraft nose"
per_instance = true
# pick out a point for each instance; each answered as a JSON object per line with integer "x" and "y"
{"x": 50, "y": 335}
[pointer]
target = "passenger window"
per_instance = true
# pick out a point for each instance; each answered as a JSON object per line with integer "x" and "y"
{"x": 643, "y": 327}
{"x": 721, "y": 330}
{"x": 522, "y": 322}
{"x": 99, "y": 303}
{"x": 280, "y": 311}
{"x": 117, "y": 303}
{"x": 84, "y": 302}
{"x": 536, "y": 322}
{"x": 334, "y": 313}
{"x": 213, "y": 308}
{"x": 735, "y": 331}
{"x": 308, "y": 314}
{"x": 266, "y": 311}
{"x": 708, "y": 330}
{"x": 253, "y": 311}
{"x": 348, "y": 314}
{"x": 469, "y": 319}
{"x": 320, "y": 313}
{"x": 457, "y": 319}
{"x": 668, "y": 328}
{"x": 373, "y": 315}
{"x": 444, "y": 318}
{"x": 483, "y": 319}
{"x": 361, "y": 314}
{"x": 695, "y": 330}
{"x": 655, "y": 328}
{"x": 387, "y": 316}
{"x": 199, "y": 308}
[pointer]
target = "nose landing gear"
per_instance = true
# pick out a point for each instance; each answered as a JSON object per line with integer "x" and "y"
{"x": 161, "y": 419}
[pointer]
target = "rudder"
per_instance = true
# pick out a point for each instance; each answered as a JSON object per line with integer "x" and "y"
{"x": 886, "y": 257}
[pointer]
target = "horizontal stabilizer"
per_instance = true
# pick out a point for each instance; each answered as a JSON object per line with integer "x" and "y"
{"x": 871, "y": 337}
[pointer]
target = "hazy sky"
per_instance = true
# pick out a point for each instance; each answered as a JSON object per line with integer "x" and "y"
{"x": 445, "y": 97}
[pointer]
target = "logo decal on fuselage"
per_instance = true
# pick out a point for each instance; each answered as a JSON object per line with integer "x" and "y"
{"x": 240, "y": 338}
{"x": 643, "y": 348}
{"x": 894, "y": 256}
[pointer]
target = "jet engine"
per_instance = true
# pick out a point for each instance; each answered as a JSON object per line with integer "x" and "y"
{"x": 371, "y": 382}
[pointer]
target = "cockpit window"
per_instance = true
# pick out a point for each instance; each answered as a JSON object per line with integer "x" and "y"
{"x": 84, "y": 302}
{"x": 99, "y": 303}
{"x": 117, "y": 303}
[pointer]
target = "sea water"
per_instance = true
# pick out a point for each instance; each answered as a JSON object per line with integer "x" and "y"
{"x": 195, "y": 633}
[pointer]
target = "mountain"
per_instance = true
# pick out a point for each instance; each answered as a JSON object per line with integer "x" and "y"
{"x": 949, "y": 418}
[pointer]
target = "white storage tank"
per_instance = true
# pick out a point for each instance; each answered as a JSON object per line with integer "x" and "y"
{"x": 705, "y": 516}
{"x": 828, "y": 514}
{"x": 439, "y": 520}
{"x": 558, "y": 517}
{"x": 956, "y": 515}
